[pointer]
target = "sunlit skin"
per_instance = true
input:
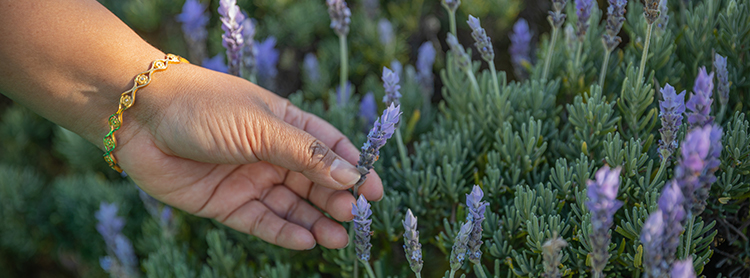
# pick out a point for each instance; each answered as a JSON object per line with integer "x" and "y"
{"x": 208, "y": 143}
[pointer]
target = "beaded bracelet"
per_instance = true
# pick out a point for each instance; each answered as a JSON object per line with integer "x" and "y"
{"x": 127, "y": 99}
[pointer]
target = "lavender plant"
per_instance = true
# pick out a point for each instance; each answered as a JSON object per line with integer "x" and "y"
{"x": 603, "y": 204}
{"x": 121, "y": 260}
{"x": 194, "y": 19}
{"x": 412, "y": 247}
{"x": 614, "y": 21}
{"x": 232, "y": 39}
{"x": 362, "y": 213}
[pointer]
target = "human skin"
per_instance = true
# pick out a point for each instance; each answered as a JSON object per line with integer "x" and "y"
{"x": 208, "y": 143}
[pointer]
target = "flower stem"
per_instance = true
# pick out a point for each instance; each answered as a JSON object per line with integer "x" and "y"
{"x": 578, "y": 54}
{"x": 402, "y": 150}
{"x": 369, "y": 270}
{"x": 452, "y": 19}
{"x": 644, "y": 57}
{"x": 660, "y": 172}
{"x": 453, "y": 273}
{"x": 548, "y": 59}
{"x": 603, "y": 72}
{"x": 722, "y": 111}
{"x": 473, "y": 80}
{"x": 597, "y": 274}
{"x": 689, "y": 239}
{"x": 344, "y": 63}
{"x": 418, "y": 275}
{"x": 494, "y": 78}
{"x": 355, "y": 267}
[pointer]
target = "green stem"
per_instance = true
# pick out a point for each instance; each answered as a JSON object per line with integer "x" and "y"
{"x": 494, "y": 78}
{"x": 548, "y": 59}
{"x": 597, "y": 274}
{"x": 473, "y": 80}
{"x": 689, "y": 239}
{"x": 355, "y": 268}
{"x": 402, "y": 150}
{"x": 452, "y": 19}
{"x": 453, "y": 273}
{"x": 720, "y": 116}
{"x": 344, "y": 63}
{"x": 369, "y": 270}
{"x": 578, "y": 54}
{"x": 603, "y": 72}
{"x": 663, "y": 166}
{"x": 644, "y": 57}
{"x": 419, "y": 275}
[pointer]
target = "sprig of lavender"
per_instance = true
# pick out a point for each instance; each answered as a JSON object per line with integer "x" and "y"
{"x": 451, "y": 6}
{"x": 663, "y": 19}
{"x": 425, "y": 61}
{"x": 267, "y": 59}
{"x": 476, "y": 209}
{"x": 670, "y": 112}
{"x": 683, "y": 269}
{"x": 615, "y": 19}
{"x": 583, "y": 12}
{"x": 651, "y": 12}
{"x": 700, "y": 100}
{"x": 362, "y": 234}
{"x": 722, "y": 84}
{"x": 458, "y": 252}
{"x": 552, "y": 256}
{"x": 462, "y": 60}
{"x": 556, "y": 18}
{"x": 382, "y": 131}
{"x": 232, "y": 39}
{"x": 520, "y": 47}
{"x": 368, "y": 109}
{"x": 342, "y": 96}
{"x": 483, "y": 43}
{"x": 661, "y": 232}
{"x": 215, "y": 63}
{"x": 194, "y": 19}
{"x": 311, "y": 67}
{"x": 121, "y": 260}
{"x": 249, "y": 51}
{"x": 385, "y": 32}
{"x": 340, "y": 19}
{"x": 602, "y": 204}
{"x": 390, "y": 83}
{"x": 412, "y": 247}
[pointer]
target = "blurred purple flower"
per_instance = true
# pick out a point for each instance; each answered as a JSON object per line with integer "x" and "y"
{"x": 482, "y": 42}
{"x": 368, "y": 109}
{"x": 583, "y": 11}
{"x": 390, "y": 83}
{"x": 722, "y": 76}
{"x": 109, "y": 224}
{"x": 267, "y": 59}
{"x": 458, "y": 252}
{"x": 694, "y": 173}
{"x": 615, "y": 19}
{"x": 312, "y": 67}
{"x": 683, "y": 269}
{"x": 194, "y": 19}
{"x": 340, "y": 16}
{"x": 121, "y": 261}
{"x": 460, "y": 58}
{"x": 451, "y": 4}
{"x": 361, "y": 211}
{"x": 603, "y": 204}
{"x": 385, "y": 30}
{"x": 342, "y": 97}
{"x": 216, "y": 63}
{"x": 663, "y": 19}
{"x": 520, "y": 47}
{"x": 476, "y": 209}
{"x": 412, "y": 247}
{"x": 250, "y": 49}
{"x": 552, "y": 256}
{"x": 661, "y": 232}
{"x": 232, "y": 39}
{"x": 425, "y": 61}
{"x": 700, "y": 100}
{"x": 671, "y": 109}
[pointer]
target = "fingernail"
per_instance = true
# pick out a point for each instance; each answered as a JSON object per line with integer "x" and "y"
{"x": 313, "y": 247}
{"x": 344, "y": 173}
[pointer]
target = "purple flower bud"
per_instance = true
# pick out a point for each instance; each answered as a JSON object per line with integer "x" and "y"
{"x": 615, "y": 19}
{"x": 722, "y": 76}
{"x": 194, "y": 19}
{"x": 390, "y": 83}
{"x": 311, "y": 67}
{"x": 342, "y": 97}
{"x": 556, "y": 15}
{"x": 671, "y": 109}
{"x": 683, "y": 269}
{"x": 482, "y": 42}
{"x": 700, "y": 160}
{"x": 250, "y": 49}
{"x": 552, "y": 256}
{"x": 476, "y": 209}
{"x": 385, "y": 30}
{"x": 216, "y": 63}
{"x": 425, "y": 61}
{"x": 520, "y": 47}
{"x": 700, "y": 100}
{"x": 451, "y": 5}
{"x": 583, "y": 11}
{"x": 412, "y": 247}
{"x": 368, "y": 108}
{"x": 462, "y": 60}
{"x": 340, "y": 16}
{"x": 232, "y": 39}
{"x": 651, "y": 10}
{"x": 382, "y": 131}
{"x": 267, "y": 59}
{"x": 361, "y": 211}
{"x": 603, "y": 204}
{"x": 458, "y": 252}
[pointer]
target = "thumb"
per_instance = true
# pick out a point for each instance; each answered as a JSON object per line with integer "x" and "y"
{"x": 294, "y": 149}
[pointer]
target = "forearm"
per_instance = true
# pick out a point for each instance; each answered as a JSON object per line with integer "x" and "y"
{"x": 69, "y": 60}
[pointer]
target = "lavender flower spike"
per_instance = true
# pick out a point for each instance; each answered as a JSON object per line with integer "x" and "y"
{"x": 520, "y": 47}
{"x": 382, "y": 131}
{"x": 342, "y": 96}
{"x": 385, "y": 31}
{"x": 671, "y": 109}
{"x": 482, "y": 42}
{"x": 552, "y": 256}
{"x": 250, "y": 50}
{"x": 583, "y": 12}
{"x": 267, "y": 59}
{"x": 451, "y": 4}
{"x": 700, "y": 101}
{"x": 390, "y": 82}
{"x": 651, "y": 11}
{"x": 458, "y": 253}
{"x": 476, "y": 209}
{"x": 556, "y": 16}
{"x": 615, "y": 19}
{"x": 661, "y": 232}
{"x": 194, "y": 19}
{"x": 425, "y": 62}
{"x": 722, "y": 76}
{"x": 311, "y": 67}
{"x": 216, "y": 63}
{"x": 121, "y": 260}
{"x": 603, "y": 204}
{"x": 412, "y": 247}
{"x": 663, "y": 19}
{"x": 361, "y": 211}
{"x": 340, "y": 16}
{"x": 462, "y": 60}
{"x": 232, "y": 39}
{"x": 683, "y": 269}
{"x": 368, "y": 109}
{"x": 700, "y": 160}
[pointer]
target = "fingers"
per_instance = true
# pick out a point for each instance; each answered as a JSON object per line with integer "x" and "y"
{"x": 337, "y": 203}
{"x": 322, "y": 130}
{"x": 282, "y": 218}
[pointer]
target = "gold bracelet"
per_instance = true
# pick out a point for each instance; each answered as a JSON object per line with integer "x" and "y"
{"x": 127, "y": 99}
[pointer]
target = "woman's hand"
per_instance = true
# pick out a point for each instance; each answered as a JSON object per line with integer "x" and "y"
{"x": 220, "y": 147}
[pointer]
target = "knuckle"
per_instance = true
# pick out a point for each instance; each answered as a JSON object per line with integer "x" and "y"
{"x": 319, "y": 155}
